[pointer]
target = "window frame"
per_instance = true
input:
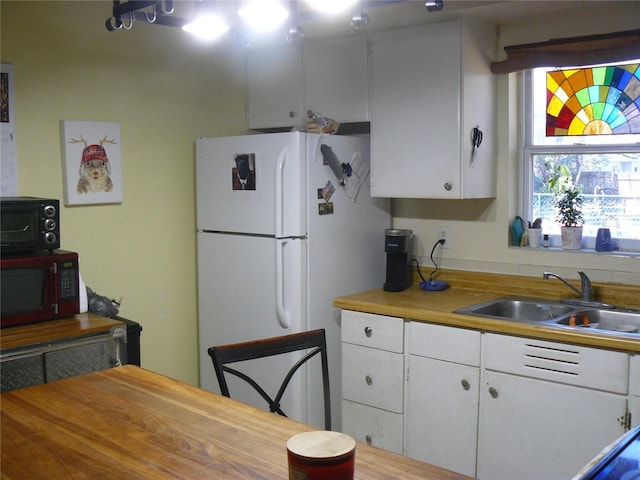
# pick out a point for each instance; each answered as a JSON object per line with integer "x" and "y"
{"x": 528, "y": 150}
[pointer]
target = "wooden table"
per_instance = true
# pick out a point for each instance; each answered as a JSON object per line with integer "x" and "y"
{"x": 129, "y": 423}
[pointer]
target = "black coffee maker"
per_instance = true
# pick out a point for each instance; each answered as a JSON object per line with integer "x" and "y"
{"x": 397, "y": 244}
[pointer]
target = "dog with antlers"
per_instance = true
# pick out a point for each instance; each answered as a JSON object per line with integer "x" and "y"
{"x": 95, "y": 169}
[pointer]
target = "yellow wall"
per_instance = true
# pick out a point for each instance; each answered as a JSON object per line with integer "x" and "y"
{"x": 164, "y": 90}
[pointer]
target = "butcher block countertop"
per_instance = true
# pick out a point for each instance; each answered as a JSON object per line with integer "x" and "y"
{"x": 78, "y": 325}
{"x": 469, "y": 288}
{"x": 129, "y": 423}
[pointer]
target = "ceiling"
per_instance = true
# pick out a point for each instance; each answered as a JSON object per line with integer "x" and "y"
{"x": 387, "y": 14}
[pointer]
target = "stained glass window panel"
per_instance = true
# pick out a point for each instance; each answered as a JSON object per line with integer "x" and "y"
{"x": 591, "y": 101}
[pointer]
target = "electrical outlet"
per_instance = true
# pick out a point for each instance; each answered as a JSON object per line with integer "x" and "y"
{"x": 443, "y": 233}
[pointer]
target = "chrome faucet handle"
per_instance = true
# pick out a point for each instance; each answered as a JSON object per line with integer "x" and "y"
{"x": 585, "y": 284}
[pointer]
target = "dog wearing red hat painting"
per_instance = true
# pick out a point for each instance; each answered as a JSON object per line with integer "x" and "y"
{"x": 95, "y": 169}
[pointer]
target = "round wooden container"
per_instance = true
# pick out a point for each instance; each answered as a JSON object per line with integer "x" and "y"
{"x": 321, "y": 455}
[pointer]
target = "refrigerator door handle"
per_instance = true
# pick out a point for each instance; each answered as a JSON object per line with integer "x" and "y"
{"x": 283, "y": 315}
{"x": 279, "y": 192}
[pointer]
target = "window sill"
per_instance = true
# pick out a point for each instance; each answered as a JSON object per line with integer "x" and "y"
{"x": 615, "y": 253}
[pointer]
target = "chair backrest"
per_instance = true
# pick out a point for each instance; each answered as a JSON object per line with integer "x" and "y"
{"x": 314, "y": 341}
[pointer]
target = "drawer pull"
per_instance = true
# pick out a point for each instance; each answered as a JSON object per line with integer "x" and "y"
{"x": 465, "y": 384}
{"x": 368, "y": 439}
{"x": 493, "y": 392}
{"x": 368, "y": 331}
{"x": 368, "y": 379}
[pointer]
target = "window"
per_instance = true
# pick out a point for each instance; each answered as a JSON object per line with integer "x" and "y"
{"x": 584, "y": 124}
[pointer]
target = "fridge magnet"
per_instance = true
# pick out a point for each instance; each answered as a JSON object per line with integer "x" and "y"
{"x": 328, "y": 191}
{"x": 91, "y": 162}
{"x": 243, "y": 172}
{"x": 325, "y": 208}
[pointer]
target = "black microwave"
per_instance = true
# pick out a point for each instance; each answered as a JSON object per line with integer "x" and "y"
{"x": 39, "y": 286}
{"x": 29, "y": 224}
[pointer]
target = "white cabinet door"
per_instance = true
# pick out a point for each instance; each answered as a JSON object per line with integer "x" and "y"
{"x": 274, "y": 78}
{"x": 374, "y": 426}
{"x": 336, "y": 78}
{"x": 442, "y": 413}
{"x": 373, "y": 377}
{"x": 329, "y": 77}
{"x": 373, "y": 331}
{"x": 634, "y": 390}
{"x": 534, "y": 429}
{"x": 430, "y": 86}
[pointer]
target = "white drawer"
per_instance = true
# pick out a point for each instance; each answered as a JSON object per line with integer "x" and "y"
{"x": 634, "y": 375}
{"x": 376, "y": 331}
{"x": 373, "y": 377}
{"x": 373, "y": 426}
{"x": 569, "y": 364}
{"x": 445, "y": 343}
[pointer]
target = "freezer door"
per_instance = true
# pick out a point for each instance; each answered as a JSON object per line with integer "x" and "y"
{"x": 252, "y": 184}
{"x": 239, "y": 300}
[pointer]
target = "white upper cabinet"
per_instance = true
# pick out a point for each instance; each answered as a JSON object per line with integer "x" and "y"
{"x": 329, "y": 77}
{"x": 274, "y": 78}
{"x": 431, "y": 85}
{"x": 336, "y": 78}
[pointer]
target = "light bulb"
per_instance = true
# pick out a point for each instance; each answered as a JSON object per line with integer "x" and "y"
{"x": 207, "y": 27}
{"x": 264, "y": 15}
{"x": 331, "y": 6}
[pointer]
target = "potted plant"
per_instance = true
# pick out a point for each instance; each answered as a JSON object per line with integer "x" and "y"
{"x": 569, "y": 204}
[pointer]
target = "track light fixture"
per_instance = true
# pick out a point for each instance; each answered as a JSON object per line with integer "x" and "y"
{"x": 434, "y": 5}
{"x": 207, "y": 22}
{"x": 358, "y": 19}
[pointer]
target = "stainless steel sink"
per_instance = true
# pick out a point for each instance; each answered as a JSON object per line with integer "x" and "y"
{"x": 577, "y": 315}
{"x": 623, "y": 321}
{"x": 518, "y": 309}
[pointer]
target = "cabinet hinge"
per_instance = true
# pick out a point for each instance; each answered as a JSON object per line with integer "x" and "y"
{"x": 625, "y": 420}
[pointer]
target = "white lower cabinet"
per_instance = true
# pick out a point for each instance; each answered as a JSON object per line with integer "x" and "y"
{"x": 442, "y": 396}
{"x": 546, "y": 408}
{"x": 373, "y": 379}
{"x": 373, "y": 425}
{"x": 634, "y": 390}
{"x": 491, "y": 406}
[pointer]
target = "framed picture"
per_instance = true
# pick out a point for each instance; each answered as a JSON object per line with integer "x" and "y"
{"x": 8, "y": 162}
{"x": 92, "y": 163}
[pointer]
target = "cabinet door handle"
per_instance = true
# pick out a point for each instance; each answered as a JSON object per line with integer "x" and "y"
{"x": 368, "y": 379}
{"x": 368, "y": 331}
{"x": 493, "y": 392}
{"x": 465, "y": 384}
{"x": 448, "y": 187}
{"x": 368, "y": 439}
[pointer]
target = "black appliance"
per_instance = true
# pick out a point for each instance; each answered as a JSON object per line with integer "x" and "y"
{"x": 132, "y": 353}
{"x": 29, "y": 224}
{"x": 397, "y": 244}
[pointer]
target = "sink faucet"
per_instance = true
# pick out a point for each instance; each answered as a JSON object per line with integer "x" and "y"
{"x": 585, "y": 291}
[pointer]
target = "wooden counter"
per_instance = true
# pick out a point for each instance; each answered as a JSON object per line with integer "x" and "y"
{"x": 130, "y": 423}
{"x": 76, "y": 326}
{"x": 469, "y": 288}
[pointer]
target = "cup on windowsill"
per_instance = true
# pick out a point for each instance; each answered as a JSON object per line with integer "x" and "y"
{"x": 534, "y": 237}
{"x": 603, "y": 240}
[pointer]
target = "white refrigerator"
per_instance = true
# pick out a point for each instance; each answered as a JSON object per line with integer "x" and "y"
{"x": 281, "y": 232}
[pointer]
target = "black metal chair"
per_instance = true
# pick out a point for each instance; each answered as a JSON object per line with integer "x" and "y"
{"x": 312, "y": 340}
